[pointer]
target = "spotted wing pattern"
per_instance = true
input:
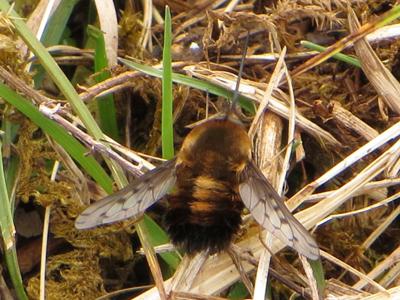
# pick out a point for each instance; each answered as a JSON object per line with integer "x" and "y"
{"x": 269, "y": 210}
{"x": 132, "y": 200}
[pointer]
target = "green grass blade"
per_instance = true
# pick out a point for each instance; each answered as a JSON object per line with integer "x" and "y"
{"x": 245, "y": 102}
{"x": 391, "y": 15}
{"x": 167, "y": 134}
{"x": 8, "y": 233}
{"x": 11, "y": 259}
{"x": 158, "y": 237}
{"x": 69, "y": 143}
{"x": 11, "y": 162}
{"x": 53, "y": 33}
{"x": 238, "y": 292}
{"x": 339, "y": 56}
{"x": 55, "y": 28}
{"x": 105, "y": 104}
{"x": 53, "y": 70}
{"x": 11, "y": 173}
{"x": 318, "y": 271}
{"x": 63, "y": 84}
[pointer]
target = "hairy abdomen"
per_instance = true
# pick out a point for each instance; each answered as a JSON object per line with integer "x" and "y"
{"x": 202, "y": 218}
{"x": 204, "y": 208}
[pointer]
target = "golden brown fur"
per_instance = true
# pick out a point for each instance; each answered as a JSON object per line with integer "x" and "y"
{"x": 205, "y": 209}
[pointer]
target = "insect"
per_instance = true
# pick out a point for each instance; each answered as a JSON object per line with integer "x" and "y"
{"x": 207, "y": 185}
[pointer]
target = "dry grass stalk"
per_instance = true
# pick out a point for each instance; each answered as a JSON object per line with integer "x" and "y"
{"x": 358, "y": 211}
{"x": 350, "y": 121}
{"x": 84, "y": 137}
{"x": 273, "y": 83}
{"x": 379, "y": 141}
{"x": 152, "y": 262}
{"x": 187, "y": 271}
{"x": 145, "y": 41}
{"x": 380, "y": 77}
{"x": 250, "y": 89}
{"x": 109, "y": 26}
{"x": 387, "y": 263}
{"x": 393, "y": 293}
{"x": 352, "y": 270}
{"x": 339, "y": 46}
{"x": 381, "y": 228}
{"x": 391, "y": 275}
{"x": 329, "y": 204}
{"x": 268, "y": 128}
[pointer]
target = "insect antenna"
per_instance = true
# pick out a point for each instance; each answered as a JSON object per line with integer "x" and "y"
{"x": 234, "y": 107}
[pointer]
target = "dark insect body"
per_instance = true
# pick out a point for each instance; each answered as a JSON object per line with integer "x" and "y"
{"x": 207, "y": 186}
{"x": 205, "y": 207}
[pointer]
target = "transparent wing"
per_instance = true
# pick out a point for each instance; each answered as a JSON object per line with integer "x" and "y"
{"x": 268, "y": 209}
{"x": 132, "y": 200}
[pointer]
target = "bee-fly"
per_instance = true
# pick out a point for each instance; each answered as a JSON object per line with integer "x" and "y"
{"x": 207, "y": 185}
